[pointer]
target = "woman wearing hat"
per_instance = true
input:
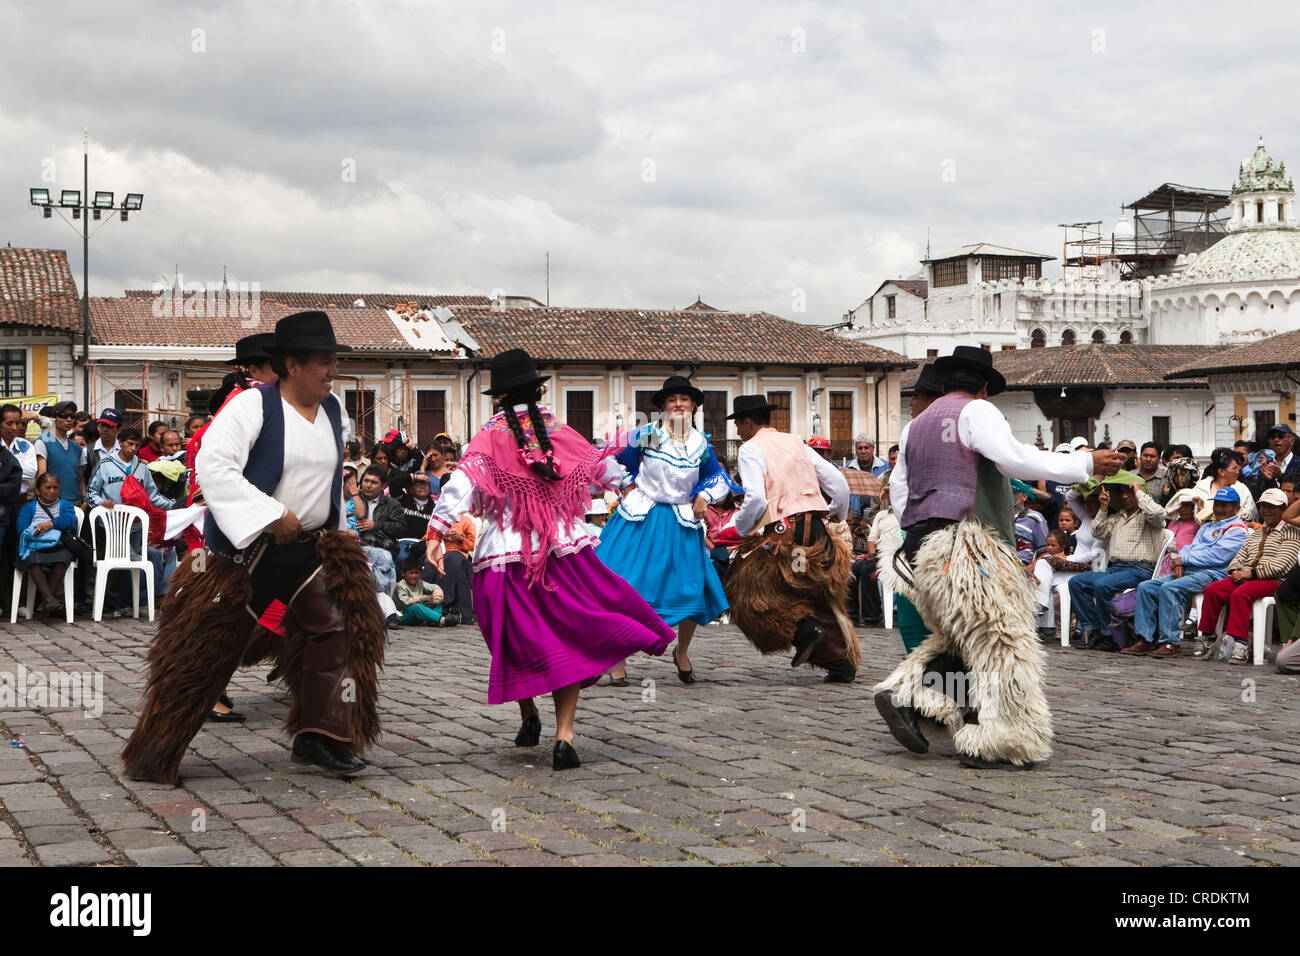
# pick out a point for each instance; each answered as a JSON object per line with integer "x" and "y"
{"x": 553, "y": 617}
{"x": 1224, "y": 471}
{"x": 655, "y": 540}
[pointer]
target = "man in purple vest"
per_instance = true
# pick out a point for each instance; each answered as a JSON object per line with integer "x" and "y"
{"x": 281, "y": 577}
{"x": 951, "y": 491}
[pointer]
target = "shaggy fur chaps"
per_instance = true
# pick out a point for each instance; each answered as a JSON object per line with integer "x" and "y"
{"x": 772, "y": 587}
{"x": 205, "y": 633}
{"x": 974, "y": 596}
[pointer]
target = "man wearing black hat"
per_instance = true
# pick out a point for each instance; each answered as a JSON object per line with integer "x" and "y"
{"x": 950, "y": 490}
{"x": 789, "y": 580}
{"x": 281, "y": 575}
{"x": 1281, "y": 439}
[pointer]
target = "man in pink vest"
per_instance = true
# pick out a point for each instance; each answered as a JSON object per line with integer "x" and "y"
{"x": 980, "y": 671}
{"x": 789, "y": 579}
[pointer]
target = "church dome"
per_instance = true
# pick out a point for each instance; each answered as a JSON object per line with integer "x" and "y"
{"x": 1250, "y": 254}
{"x": 1261, "y": 174}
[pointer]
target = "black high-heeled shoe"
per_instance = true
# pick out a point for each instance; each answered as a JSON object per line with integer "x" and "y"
{"x": 565, "y": 757}
{"x": 530, "y": 733}
{"x": 686, "y": 677}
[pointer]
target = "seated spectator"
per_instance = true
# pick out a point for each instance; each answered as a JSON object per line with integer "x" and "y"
{"x": 1149, "y": 470}
{"x": 1181, "y": 471}
{"x": 1181, "y": 514}
{"x": 436, "y": 466}
{"x": 457, "y": 568}
{"x": 1290, "y": 486}
{"x": 884, "y": 524}
{"x": 1080, "y": 552}
{"x": 358, "y": 461}
{"x": 1278, "y": 460}
{"x": 1031, "y": 527}
{"x": 417, "y": 504}
{"x": 380, "y": 519}
{"x": 41, "y": 524}
{"x": 1224, "y": 471}
{"x": 1135, "y": 539}
{"x": 598, "y": 514}
{"x": 420, "y": 602}
{"x": 1162, "y": 602}
{"x": 1268, "y": 555}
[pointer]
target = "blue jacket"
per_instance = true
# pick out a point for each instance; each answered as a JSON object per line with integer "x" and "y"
{"x": 111, "y": 471}
{"x": 1215, "y": 545}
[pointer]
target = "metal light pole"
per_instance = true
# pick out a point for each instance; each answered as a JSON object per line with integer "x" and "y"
{"x": 82, "y": 208}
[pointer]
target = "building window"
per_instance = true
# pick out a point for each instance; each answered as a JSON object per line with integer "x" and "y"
{"x": 891, "y": 306}
{"x": 1126, "y": 338}
{"x": 645, "y": 410}
{"x": 130, "y": 402}
{"x": 841, "y": 436}
{"x": 580, "y": 411}
{"x": 1067, "y": 337}
{"x": 1038, "y": 339}
{"x": 13, "y": 367}
{"x": 931, "y": 353}
{"x": 1008, "y": 348}
{"x": 360, "y": 406}
{"x": 1281, "y": 211}
{"x": 780, "y": 414}
{"x": 1160, "y": 430}
{"x": 1265, "y": 419}
{"x": 993, "y": 268}
{"x": 1098, "y": 337}
{"x": 1259, "y": 210}
{"x": 950, "y": 272}
{"x": 430, "y": 415}
{"x": 715, "y": 414}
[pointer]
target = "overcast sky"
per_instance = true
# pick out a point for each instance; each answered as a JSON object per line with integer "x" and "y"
{"x": 748, "y": 152}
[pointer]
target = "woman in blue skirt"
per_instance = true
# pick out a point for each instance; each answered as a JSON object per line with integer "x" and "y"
{"x": 655, "y": 540}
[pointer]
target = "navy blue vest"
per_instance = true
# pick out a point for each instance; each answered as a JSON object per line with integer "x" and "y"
{"x": 266, "y": 460}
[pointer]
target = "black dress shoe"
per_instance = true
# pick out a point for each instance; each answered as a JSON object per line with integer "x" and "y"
{"x": 686, "y": 677}
{"x": 230, "y": 717}
{"x": 980, "y": 763}
{"x": 530, "y": 732}
{"x": 840, "y": 672}
{"x": 276, "y": 671}
{"x": 618, "y": 681}
{"x": 903, "y": 723}
{"x": 313, "y": 748}
{"x": 805, "y": 639}
{"x": 565, "y": 756}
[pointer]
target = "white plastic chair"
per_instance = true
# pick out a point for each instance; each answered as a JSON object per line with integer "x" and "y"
{"x": 68, "y": 586}
{"x": 1062, "y": 588}
{"x": 117, "y": 523}
{"x": 887, "y": 603}
{"x": 1261, "y": 623}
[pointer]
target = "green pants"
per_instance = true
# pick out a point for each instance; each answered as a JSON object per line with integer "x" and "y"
{"x": 1288, "y": 619}
{"x": 422, "y": 614}
{"x": 910, "y": 626}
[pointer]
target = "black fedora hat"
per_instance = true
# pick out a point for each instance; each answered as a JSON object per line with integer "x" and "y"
{"x": 743, "y": 405}
{"x": 513, "y": 369}
{"x": 304, "y": 332}
{"x": 971, "y": 358}
{"x": 677, "y": 385}
{"x": 928, "y": 381}
{"x": 251, "y": 349}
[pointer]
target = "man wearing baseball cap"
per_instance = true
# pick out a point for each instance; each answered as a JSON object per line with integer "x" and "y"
{"x": 1162, "y": 602}
{"x": 1269, "y": 553}
{"x": 109, "y": 423}
{"x": 1281, "y": 439}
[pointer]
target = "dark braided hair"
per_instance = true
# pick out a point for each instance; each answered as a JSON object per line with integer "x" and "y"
{"x": 531, "y": 397}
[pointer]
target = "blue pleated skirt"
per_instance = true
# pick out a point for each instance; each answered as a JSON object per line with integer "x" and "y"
{"x": 666, "y": 564}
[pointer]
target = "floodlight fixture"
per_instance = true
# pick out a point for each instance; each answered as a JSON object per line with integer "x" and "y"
{"x": 40, "y": 197}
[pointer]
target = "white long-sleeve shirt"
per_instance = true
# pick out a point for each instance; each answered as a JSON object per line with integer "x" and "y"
{"x": 984, "y": 430}
{"x": 753, "y": 466}
{"x": 311, "y": 461}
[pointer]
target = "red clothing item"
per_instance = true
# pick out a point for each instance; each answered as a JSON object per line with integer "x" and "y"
{"x": 147, "y": 454}
{"x": 1239, "y": 598}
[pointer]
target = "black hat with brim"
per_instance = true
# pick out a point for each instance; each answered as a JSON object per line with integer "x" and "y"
{"x": 677, "y": 385}
{"x": 745, "y": 405}
{"x": 513, "y": 370}
{"x": 928, "y": 381}
{"x": 304, "y": 332}
{"x": 970, "y": 358}
{"x": 252, "y": 349}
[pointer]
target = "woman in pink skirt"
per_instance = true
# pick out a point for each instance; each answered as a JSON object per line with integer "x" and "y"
{"x": 553, "y": 616}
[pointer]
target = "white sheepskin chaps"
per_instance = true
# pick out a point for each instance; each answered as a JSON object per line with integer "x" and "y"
{"x": 974, "y": 596}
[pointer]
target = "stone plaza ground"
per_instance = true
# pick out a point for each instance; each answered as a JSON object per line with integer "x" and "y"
{"x": 1177, "y": 762}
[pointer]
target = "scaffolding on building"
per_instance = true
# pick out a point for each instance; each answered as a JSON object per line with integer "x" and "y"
{"x": 1169, "y": 221}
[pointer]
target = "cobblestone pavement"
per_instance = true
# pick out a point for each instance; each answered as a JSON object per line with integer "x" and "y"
{"x": 1157, "y": 762}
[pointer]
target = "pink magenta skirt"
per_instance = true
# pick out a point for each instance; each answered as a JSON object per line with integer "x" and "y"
{"x": 568, "y": 629}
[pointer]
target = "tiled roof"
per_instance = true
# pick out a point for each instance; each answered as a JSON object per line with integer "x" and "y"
{"x": 347, "y": 300}
{"x": 130, "y": 320}
{"x": 37, "y": 289}
{"x": 1248, "y": 254}
{"x": 1108, "y": 366}
{"x": 988, "y": 249}
{"x": 677, "y": 337}
{"x": 699, "y": 305}
{"x": 1277, "y": 353}
{"x": 917, "y": 287}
